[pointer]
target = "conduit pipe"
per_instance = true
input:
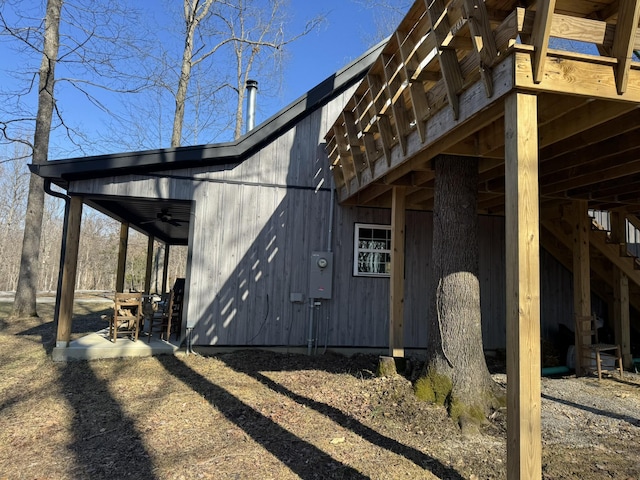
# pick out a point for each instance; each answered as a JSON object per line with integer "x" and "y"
{"x": 329, "y": 249}
{"x": 310, "y": 336}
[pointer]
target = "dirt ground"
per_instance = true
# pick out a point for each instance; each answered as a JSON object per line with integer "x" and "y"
{"x": 259, "y": 415}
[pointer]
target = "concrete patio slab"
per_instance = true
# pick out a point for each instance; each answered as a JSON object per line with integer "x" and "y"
{"x": 98, "y": 345}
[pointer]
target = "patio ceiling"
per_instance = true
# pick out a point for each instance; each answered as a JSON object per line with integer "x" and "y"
{"x": 439, "y": 87}
{"x": 165, "y": 220}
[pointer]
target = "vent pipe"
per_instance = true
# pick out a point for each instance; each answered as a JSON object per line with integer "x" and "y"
{"x": 252, "y": 90}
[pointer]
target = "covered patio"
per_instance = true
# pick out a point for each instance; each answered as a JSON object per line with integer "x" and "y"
{"x": 97, "y": 345}
{"x": 546, "y": 95}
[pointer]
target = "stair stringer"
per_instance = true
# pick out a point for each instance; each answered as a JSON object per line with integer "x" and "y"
{"x": 609, "y": 251}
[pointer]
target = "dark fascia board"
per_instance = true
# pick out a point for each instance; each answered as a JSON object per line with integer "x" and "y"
{"x": 61, "y": 172}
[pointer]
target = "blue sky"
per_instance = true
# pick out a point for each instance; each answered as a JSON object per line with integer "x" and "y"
{"x": 347, "y": 33}
{"x": 348, "y": 30}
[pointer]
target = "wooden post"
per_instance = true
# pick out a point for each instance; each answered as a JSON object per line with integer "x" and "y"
{"x": 396, "y": 283}
{"x": 147, "y": 272}
{"x": 165, "y": 268}
{"x": 72, "y": 243}
{"x": 122, "y": 256}
{"x": 581, "y": 275}
{"x": 524, "y": 444}
{"x": 621, "y": 320}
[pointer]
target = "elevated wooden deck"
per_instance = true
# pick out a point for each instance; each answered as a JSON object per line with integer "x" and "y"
{"x": 441, "y": 89}
{"x": 546, "y": 94}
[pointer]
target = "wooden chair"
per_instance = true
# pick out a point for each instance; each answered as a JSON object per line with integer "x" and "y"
{"x": 587, "y": 330}
{"x": 175, "y": 319}
{"x": 160, "y": 321}
{"x": 127, "y": 313}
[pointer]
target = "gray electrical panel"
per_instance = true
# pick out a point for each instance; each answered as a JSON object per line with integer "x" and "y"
{"x": 321, "y": 275}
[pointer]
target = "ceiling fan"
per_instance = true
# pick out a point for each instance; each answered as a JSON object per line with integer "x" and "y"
{"x": 164, "y": 216}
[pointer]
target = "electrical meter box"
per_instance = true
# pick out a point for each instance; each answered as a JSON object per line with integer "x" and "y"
{"x": 321, "y": 275}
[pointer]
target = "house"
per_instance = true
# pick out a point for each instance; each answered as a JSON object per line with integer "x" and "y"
{"x": 256, "y": 216}
{"x": 277, "y": 258}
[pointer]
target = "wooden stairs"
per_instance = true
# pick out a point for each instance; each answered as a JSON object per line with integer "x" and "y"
{"x": 605, "y": 252}
{"x": 556, "y": 237}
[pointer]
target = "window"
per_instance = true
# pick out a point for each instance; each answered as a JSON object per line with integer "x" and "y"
{"x": 372, "y": 250}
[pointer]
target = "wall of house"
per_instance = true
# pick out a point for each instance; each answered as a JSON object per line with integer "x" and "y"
{"x": 254, "y": 227}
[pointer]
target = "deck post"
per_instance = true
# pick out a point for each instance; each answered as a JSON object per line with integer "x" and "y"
{"x": 524, "y": 444}
{"x": 122, "y": 256}
{"x": 396, "y": 283}
{"x": 147, "y": 272}
{"x": 69, "y": 269}
{"x": 581, "y": 274}
{"x": 621, "y": 320}
{"x": 165, "y": 268}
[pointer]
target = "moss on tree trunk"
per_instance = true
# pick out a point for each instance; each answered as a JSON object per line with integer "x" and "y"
{"x": 456, "y": 373}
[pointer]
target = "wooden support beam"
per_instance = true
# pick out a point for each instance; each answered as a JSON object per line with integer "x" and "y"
{"x": 581, "y": 274}
{"x": 540, "y": 36}
{"x": 621, "y": 319}
{"x": 149, "y": 266}
{"x": 362, "y": 120}
{"x": 378, "y": 105}
{"x": 395, "y": 86}
{"x": 165, "y": 268}
{"x": 419, "y": 102}
{"x": 602, "y": 268}
{"x": 338, "y": 177}
{"x": 396, "y": 284}
{"x": 524, "y": 445}
{"x": 347, "y": 161}
{"x": 69, "y": 269}
{"x": 621, "y": 314}
{"x": 624, "y": 39}
{"x": 359, "y": 162}
{"x": 122, "y": 256}
{"x": 447, "y": 57}
{"x": 596, "y": 76}
{"x": 483, "y": 40}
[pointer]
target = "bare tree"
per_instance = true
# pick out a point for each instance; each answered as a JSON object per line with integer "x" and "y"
{"x": 93, "y": 46}
{"x": 25, "y": 301}
{"x": 250, "y": 31}
{"x": 14, "y": 182}
{"x": 387, "y": 16}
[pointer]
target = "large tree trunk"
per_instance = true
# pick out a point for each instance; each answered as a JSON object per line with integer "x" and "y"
{"x": 456, "y": 373}
{"x": 25, "y": 301}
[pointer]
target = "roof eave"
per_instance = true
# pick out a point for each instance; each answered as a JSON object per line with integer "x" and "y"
{"x": 61, "y": 172}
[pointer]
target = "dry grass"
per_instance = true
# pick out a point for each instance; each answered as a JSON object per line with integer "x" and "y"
{"x": 248, "y": 415}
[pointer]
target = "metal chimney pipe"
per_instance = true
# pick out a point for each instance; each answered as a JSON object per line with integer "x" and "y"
{"x": 252, "y": 90}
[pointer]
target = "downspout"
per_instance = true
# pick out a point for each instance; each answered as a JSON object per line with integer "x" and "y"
{"x": 63, "y": 250}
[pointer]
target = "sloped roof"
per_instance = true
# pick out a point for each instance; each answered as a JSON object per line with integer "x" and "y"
{"x": 61, "y": 172}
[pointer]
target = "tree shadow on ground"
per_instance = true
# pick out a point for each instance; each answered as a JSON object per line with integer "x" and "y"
{"x": 82, "y": 324}
{"x": 306, "y": 460}
{"x": 342, "y": 419}
{"x": 633, "y": 421}
{"x": 106, "y": 443}
{"x": 359, "y": 365}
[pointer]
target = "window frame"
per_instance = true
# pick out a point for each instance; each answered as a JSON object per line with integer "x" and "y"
{"x": 357, "y": 250}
